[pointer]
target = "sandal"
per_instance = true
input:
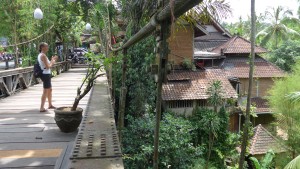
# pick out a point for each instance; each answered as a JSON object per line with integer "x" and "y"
{"x": 43, "y": 110}
{"x": 51, "y": 107}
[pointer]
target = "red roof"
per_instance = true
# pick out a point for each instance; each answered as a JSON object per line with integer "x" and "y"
{"x": 262, "y": 141}
{"x": 238, "y": 66}
{"x": 237, "y": 45}
{"x": 189, "y": 85}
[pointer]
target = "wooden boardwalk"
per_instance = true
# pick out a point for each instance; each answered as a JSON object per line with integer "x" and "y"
{"x": 30, "y": 139}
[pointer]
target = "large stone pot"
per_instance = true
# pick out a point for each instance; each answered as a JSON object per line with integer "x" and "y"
{"x": 67, "y": 120}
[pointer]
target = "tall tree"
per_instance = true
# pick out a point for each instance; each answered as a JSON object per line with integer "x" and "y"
{"x": 248, "y": 107}
{"x": 277, "y": 29}
{"x": 286, "y": 55}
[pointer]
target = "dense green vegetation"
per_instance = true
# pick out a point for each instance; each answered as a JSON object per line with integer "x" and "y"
{"x": 287, "y": 110}
{"x": 184, "y": 142}
{"x": 18, "y": 24}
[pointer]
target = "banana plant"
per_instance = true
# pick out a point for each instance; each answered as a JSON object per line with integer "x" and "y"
{"x": 294, "y": 164}
{"x": 266, "y": 162}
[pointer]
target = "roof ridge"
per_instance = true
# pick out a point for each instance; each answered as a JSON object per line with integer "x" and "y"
{"x": 221, "y": 27}
{"x": 231, "y": 41}
{"x": 254, "y": 43}
{"x": 259, "y": 126}
{"x": 254, "y": 138}
{"x": 226, "y": 44}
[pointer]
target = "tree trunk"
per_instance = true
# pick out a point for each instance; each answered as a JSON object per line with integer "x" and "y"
{"x": 247, "y": 117}
{"x": 75, "y": 104}
{"x": 210, "y": 145}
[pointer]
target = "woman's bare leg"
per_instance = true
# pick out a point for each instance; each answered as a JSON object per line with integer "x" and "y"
{"x": 50, "y": 97}
{"x": 43, "y": 99}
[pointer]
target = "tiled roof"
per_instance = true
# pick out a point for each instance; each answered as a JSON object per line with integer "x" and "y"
{"x": 260, "y": 104}
{"x": 262, "y": 141}
{"x": 237, "y": 45}
{"x": 206, "y": 45}
{"x": 238, "y": 66}
{"x": 188, "y": 85}
{"x": 210, "y": 41}
{"x": 212, "y": 36}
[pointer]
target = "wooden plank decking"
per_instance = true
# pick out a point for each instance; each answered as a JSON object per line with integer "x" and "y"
{"x": 28, "y": 138}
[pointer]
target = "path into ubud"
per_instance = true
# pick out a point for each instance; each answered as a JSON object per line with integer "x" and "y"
{"x": 30, "y": 139}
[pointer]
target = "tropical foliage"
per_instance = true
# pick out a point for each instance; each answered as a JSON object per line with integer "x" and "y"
{"x": 283, "y": 101}
{"x": 286, "y": 55}
{"x": 277, "y": 29}
{"x": 266, "y": 163}
{"x": 184, "y": 142}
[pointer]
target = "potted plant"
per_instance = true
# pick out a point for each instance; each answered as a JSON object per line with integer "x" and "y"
{"x": 69, "y": 118}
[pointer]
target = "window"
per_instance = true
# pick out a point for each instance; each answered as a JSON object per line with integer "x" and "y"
{"x": 180, "y": 104}
{"x": 201, "y": 103}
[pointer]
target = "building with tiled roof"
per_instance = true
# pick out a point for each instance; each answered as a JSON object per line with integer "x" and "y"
{"x": 262, "y": 141}
{"x": 237, "y": 66}
{"x": 187, "y": 89}
{"x": 217, "y": 55}
{"x": 237, "y": 45}
{"x": 193, "y": 85}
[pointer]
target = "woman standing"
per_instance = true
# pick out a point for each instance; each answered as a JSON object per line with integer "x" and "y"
{"x": 46, "y": 65}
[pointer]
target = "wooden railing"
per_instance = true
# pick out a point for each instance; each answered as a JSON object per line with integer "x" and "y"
{"x": 14, "y": 80}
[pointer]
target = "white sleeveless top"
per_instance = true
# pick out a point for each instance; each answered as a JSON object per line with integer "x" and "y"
{"x": 42, "y": 65}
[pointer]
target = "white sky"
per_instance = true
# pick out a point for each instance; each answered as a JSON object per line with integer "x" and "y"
{"x": 242, "y": 7}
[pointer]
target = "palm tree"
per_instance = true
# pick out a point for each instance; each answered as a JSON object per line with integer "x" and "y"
{"x": 277, "y": 29}
{"x": 245, "y": 137}
{"x": 294, "y": 97}
{"x": 217, "y": 9}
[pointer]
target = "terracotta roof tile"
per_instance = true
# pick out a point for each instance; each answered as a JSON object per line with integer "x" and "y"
{"x": 188, "y": 85}
{"x": 261, "y": 105}
{"x": 237, "y": 66}
{"x": 237, "y": 45}
{"x": 262, "y": 141}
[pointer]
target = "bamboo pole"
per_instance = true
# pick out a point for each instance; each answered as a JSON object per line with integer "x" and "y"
{"x": 162, "y": 54}
{"x": 180, "y": 7}
{"x": 122, "y": 104}
{"x": 158, "y": 104}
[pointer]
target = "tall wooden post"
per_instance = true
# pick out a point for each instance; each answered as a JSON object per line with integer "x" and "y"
{"x": 122, "y": 104}
{"x": 162, "y": 54}
{"x": 15, "y": 38}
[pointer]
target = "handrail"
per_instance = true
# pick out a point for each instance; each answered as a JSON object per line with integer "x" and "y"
{"x": 14, "y": 80}
{"x": 16, "y": 71}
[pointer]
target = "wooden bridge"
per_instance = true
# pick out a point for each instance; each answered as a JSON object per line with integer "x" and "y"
{"x": 30, "y": 139}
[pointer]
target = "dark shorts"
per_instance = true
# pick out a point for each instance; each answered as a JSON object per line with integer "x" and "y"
{"x": 46, "y": 78}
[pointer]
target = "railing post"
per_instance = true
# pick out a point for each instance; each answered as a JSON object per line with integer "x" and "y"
{"x": 122, "y": 104}
{"x": 162, "y": 54}
{"x": 9, "y": 83}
